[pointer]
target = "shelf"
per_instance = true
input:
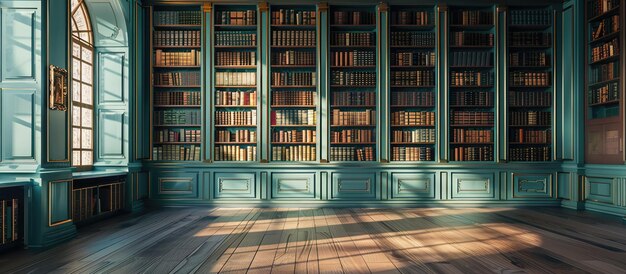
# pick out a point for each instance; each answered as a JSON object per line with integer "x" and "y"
{"x": 236, "y": 67}
{"x": 602, "y": 15}
{"x": 605, "y": 38}
{"x": 471, "y": 66}
{"x": 529, "y": 143}
{"x": 172, "y": 86}
{"x": 177, "y": 106}
{"x": 234, "y": 106}
{"x": 370, "y": 27}
{"x": 530, "y": 67}
{"x": 293, "y": 86}
{"x": 530, "y": 27}
{"x": 245, "y": 87}
{"x": 470, "y": 106}
{"x": 294, "y": 26}
{"x": 413, "y": 143}
{"x": 353, "y": 106}
{"x": 175, "y": 67}
{"x": 176, "y": 143}
{"x": 353, "y": 143}
{"x": 473, "y": 125}
{"x": 603, "y": 82}
{"x": 182, "y": 125}
{"x": 352, "y": 67}
{"x": 294, "y": 66}
{"x": 530, "y": 46}
{"x": 353, "y": 46}
{"x": 473, "y": 27}
{"x": 178, "y": 26}
{"x": 356, "y": 86}
{"x": 412, "y": 47}
{"x": 453, "y": 86}
{"x": 605, "y": 60}
{"x": 294, "y": 143}
{"x": 412, "y": 27}
{"x": 538, "y": 86}
{"x": 238, "y": 27}
{"x": 396, "y": 126}
{"x": 235, "y": 143}
{"x": 339, "y": 126}
{"x": 470, "y": 47}
{"x": 536, "y": 106}
{"x": 412, "y": 106}
{"x": 293, "y": 126}
{"x": 530, "y": 125}
{"x": 294, "y": 47}
{"x": 401, "y": 86}
{"x": 236, "y": 47}
{"x": 605, "y": 103}
{"x": 234, "y": 126}
{"x": 471, "y": 143}
{"x": 412, "y": 67}
{"x": 177, "y": 47}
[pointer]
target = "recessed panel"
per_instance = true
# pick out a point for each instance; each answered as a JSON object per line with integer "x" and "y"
{"x": 17, "y": 124}
{"x": 599, "y": 189}
{"x": 177, "y": 185}
{"x": 293, "y": 185}
{"x": 413, "y": 185}
{"x": 532, "y": 185}
{"x": 111, "y": 77}
{"x": 234, "y": 185}
{"x": 357, "y": 186}
{"x": 18, "y": 40}
{"x": 473, "y": 186}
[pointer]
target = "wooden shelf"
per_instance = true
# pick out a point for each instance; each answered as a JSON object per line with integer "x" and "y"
{"x": 172, "y": 86}
{"x": 176, "y": 143}
{"x": 353, "y": 106}
{"x": 236, "y": 67}
{"x": 602, "y": 15}
{"x": 396, "y": 126}
{"x": 294, "y": 143}
{"x": 293, "y": 106}
{"x": 293, "y": 125}
{"x": 613, "y": 102}
{"x": 235, "y": 143}
{"x": 234, "y": 106}
{"x": 605, "y": 60}
{"x": 235, "y": 126}
{"x": 177, "y": 106}
{"x": 605, "y": 37}
{"x": 472, "y": 125}
{"x": 293, "y": 86}
{"x": 178, "y": 26}
{"x": 603, "y": 82}
{"x": 182, "y": 125}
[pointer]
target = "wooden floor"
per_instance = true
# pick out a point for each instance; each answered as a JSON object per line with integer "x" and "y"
{"x": 185, "y": 240}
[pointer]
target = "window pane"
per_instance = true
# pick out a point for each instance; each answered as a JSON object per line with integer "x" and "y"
{"x": 87, "y": 56}
{"x": 81, "y": 22}
{"x": 86, "y": 158}
{"x": 85, "y": 37}
{"x": 74, "y": 4}
{"x": 76, "y": 50}
{"x": 76, "y": 69}
{"x": 86, "y": 73}
{"x": 75, "y": 116}
{"x": 75, "y": 137}
{"x": 87, "y": 95}
{"x": 86, "y": 139}
{"x": 76, "y": 158}
{"x": 86, "y": 117}
{"x": 75, "y": 91}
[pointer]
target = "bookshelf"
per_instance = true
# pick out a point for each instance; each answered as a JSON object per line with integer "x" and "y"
{"x": 530, "y": 91}
{"x": 604, "y": 119}
{"x": 471, "y": 77}
{"x": 353, "y": 104}
{"x": 176, "y": 42}
{"x": 11, "y": 217}
{"x": 413, "y": 62}
{"x": 96, "y": 198}
{"x": 235, "y": 83}
{"x": 294, "y": 97}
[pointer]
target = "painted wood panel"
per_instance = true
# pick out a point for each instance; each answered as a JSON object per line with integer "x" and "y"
{"x": 111, "y": 77}
{"x": 568, "y": 75}
{"x": 413, "y": 185}
{"x": 17, "y": 124}
{"x": 527, "y": 186}
{"x": 599, "y": 189}
{"x": 294, "y": 185}
{"x": 19, "y": 61}
{"x": 234, "y": 185}
{"x": 59, "y": 207}
{"x": 177, "y": 185}
{"x": 111, "y": 134}
{"x": 564, "y": 185}
{"x": 353, "y": 186}
{"x": 473, "y": 186}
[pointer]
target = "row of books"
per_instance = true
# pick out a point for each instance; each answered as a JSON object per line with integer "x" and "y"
{"x": 461, "y": 135}
{"x": 534, "y": 154}
{"x": 419, "y": 135}
{"x": 293, "y": 17}
{"x": 530, "y": 79}
{"x": 472, "y": 98}
{"x": 9, "y": 221}
{"x": 294, "y": 136}
{"x": 189, "y": 38}
{"x": 416, "y": 18}
{"x": 353, "y": 18}
{"x": 605, "y": 50}
{"x": 238, "y": 135}
{"x": 178, "y": 98}
{"x": 530, "y": 118}
{"x": 293, "y": 98}
{"x": 530, "y": 39}
{"x": 346, "y": 136}
{"x": 352, "y": 58}
{"x": 471, "y": 78}
{"x": 413, "y": 98}
{"x": 472, "y": 118}
{"x": 177, "y": 117}
{"x": 97, "y": 199}
{"x": 353, "y": 118}
{"x": 237, "y": 118}
{"x": 529, "y": 59}
{"x": 293, "y": 58}
{"x": 472, "y": 153}
{"x": 177, "y": 135}
{"x": 603, "y": 94}
{"x": 423, "y": 58}
{"x": 284, "y": 117}
{"x": 293, "y": 38}
{"x": 605, "y": 27}
{"x": 237, "y": 18}
{"x": 293, "y": 78}
{"x": 228, "y": 78}
{"x": 412, "y": 38}
{"x": 235, "y": 98}
{"x": 235, "y": 153}
{"x": 530, "y": 99}
{"x": 471, "y": 17}
{"x": 353, "y": 78}
{"x": 176, "y": 153}
{"x": 603, "y": 72}
{"x": 341, "y": 153}
{"x": 168, "y": 18}
{"x": 525, "y": 17}
{"x": 294, "y": 153}
{"x": 412, "y": 154}
{"x": 235, "y": 38}
{"x": 597, "y": 7}
{"x": 181, "y": 78}
{"x": 353, "y": 98}
{"x": 531, "y": 136}
{"x": 177, "y": 58}
{"x": 468, "y": 38}
{"x": 417, "y": 78}
{"x": 471, "y": 58}
{"x": 235, "y": 58}
{"x": 352, "y": 39}
{"x": 413, "y": 118}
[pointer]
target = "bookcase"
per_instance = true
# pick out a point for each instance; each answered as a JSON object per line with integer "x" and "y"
{"x": 530, "y": 90}
{"x": 11, "y": 216}
{"x": 471, "y": 84}
{"x": 353, "y": 88}
{"x": 413, "y": 60}
{"x": 294, "y": 105}
{"x": 95, "y": 198}
{"x": 604, "y": 116}
{"x": 176, "y": 83}
{"x": 234, "y": 87}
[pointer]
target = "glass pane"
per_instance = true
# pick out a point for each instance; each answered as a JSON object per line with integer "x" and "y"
{"x": 86, "y": 159}
{"x": 76, "y": 50}
{"x": 76, "y": 137}
{"x": 86, "y": 117}
{"x": 86, "y": 73}
{"x": 86, "y": 138}
{"x": 81, "y": 21}
{"x": 85, "y": 37}
{"x": 76, "y": 158}
{"x": 75, "y": 116}
{"x": 76, "y": 91}
{"x": 74, "y": 4}
{"x": 87, "y": 55}
{"x": 87, "y": 95}
{"x": 76, "y": 69}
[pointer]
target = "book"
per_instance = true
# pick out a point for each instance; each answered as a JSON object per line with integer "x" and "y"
{"x": 293, "y": 17}
{"x": 236, "y": 17}
{"x": 168, "y": 18}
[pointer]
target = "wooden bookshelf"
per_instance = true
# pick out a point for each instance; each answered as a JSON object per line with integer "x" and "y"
{"x": 12, "y": 217}
{"x": 94, "y": 199}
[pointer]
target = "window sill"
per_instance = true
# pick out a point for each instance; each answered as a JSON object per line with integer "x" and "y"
{"x": 99, "y": 173}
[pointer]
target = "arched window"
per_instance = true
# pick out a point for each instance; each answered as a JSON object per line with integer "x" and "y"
{"x": 82, "y": 86}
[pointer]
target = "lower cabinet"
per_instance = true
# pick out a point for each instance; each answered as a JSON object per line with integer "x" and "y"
{"x": 294, "y": 186}
{"x": 531, "y": 186}
{"x": 599, "y": 189}
{"x": 176, "y": 185}
{"x": 413, "y": 186}
{"x": 353, "y": 186}
{"x": 235, "y": 185}
{"x": 469, "y": 186}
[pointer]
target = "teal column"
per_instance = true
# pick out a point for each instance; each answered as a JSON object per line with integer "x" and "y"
{"x": 501, "y": 69}
{"x": 207, "y": 71}
{"x": 557, "y": 103}
{"x": 263, "y": 79}
{"x": 383, "y": 82}
{"x": 442, "y": 95}
{"x": 322, "y": 88}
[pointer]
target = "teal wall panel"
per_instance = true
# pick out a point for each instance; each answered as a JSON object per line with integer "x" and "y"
{"x": 294, "y": 185}
{"x": 529, "y": 186}
{"x": 353, "y": 186}
{"x": 564, "y": 185}
{"x": 111, "y": 134}
{"x": 111, "y": 77}
{"x": 234, "y": 185}
{"x": 413, "y": 185}
{"x": 473, "y": 186}
{"x": 599, "y": 189}
{"x": 19, "y": 61}
{"x": 59, "y": 202}
{"x": 18, "y": 124}
{"x": 175, "y": 185}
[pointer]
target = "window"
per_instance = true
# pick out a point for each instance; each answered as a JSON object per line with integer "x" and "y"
{"x": 82, "y": 86}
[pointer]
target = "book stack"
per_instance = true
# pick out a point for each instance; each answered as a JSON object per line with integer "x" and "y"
{"x": 353, "y": 18}
{"x": 235, "y": 58}
{"x": 237, "y": 18}
{"x": 608, "y": 93}
{"x": 235, "y": 98}
{"x": 294, "y": 136}
{"x": 412, "y": 17}
{"x": 412, "y": 38}
{"x": 471, "y": 39}
{"x": 179, "y": 98}
{"x": 352, "y": 58}
{"x": 174, "y": 38}
{"x": 472, "y": 98}
{"x": 235, "y": 38}
{"x": 530, "y": 99}
{"x": 177, "y": 117}
{"x": 407, "y": 59}
{"x": 531, "y": 154}
{"x": 412, "y": 154}
{"x": 348, "y": 136}
{"x": 177, "y": 135}
{"x": 293, "y": 38}
{"x": 352, "y": 39}
{"x": 353, "y": 98}
{"x": 172, "y": 18}
{"x": 176, "y": 153}
{"x": 343, "y": 153}
{"x": 294, "y": 153}
{"x": 10, "y": 224}
{"x": 235, "y": 79}
{"x": 471, "y": 17}
{"x": 471, "y": 79}
{"x": 285, "y": 117}
{"x": 531, "y": 118}
{"x": 182, "y": 78}
{"x": 543, "y": 136}
{"x": 293, "y": 78}
{"x": 412, "y": 118}
{"x": 238, "y": 153}
{"x": 529, "y": 59}
{"x": 472, "y": 118}
{"x": 177, "y": 58}
{"x": 471, "y": 59}
{"x": 293, "y": 17}
{"x": 413, "y": 98}
{"x": 353, "y": 78}
{"x": 476, "y": 136}
{"x": 419, "y": 135}
{"x": 293, "y": 58}
{"x": 236, "y": 118}
{"x": 294, "y": 98}
{"x": 603, "y": 73}
{"x": 530, "y": 39}
{"x": 530, "y": 79}
{"x": 473, "y": 153}
{"x": 417, "y": 78}
{"x": 353, "y": 118}
{"x": 598, "y": 7}
{"x": 235, "y": 136}
{"x": 531, "y": 17}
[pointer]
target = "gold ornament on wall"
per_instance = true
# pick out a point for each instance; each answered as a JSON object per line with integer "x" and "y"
{"x": 58, "y": 88}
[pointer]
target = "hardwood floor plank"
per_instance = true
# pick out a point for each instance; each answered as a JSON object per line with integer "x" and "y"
{"x": 351, "y": 259}
{"x": 264, "y": 257}
{"x": 326, "y": 250}
{"x": 285, "y": 257}
{"x": 306, "y": 257}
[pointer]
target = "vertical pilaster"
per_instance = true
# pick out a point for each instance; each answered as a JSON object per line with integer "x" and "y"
{"x": 263, "y": 81}
{"x": 500, "y": 96}
{"x": 382, "y": 108}
{"x": 441, "y": 17}
{"x": 322, "y": 84}
{"x": 207, "y": 107}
